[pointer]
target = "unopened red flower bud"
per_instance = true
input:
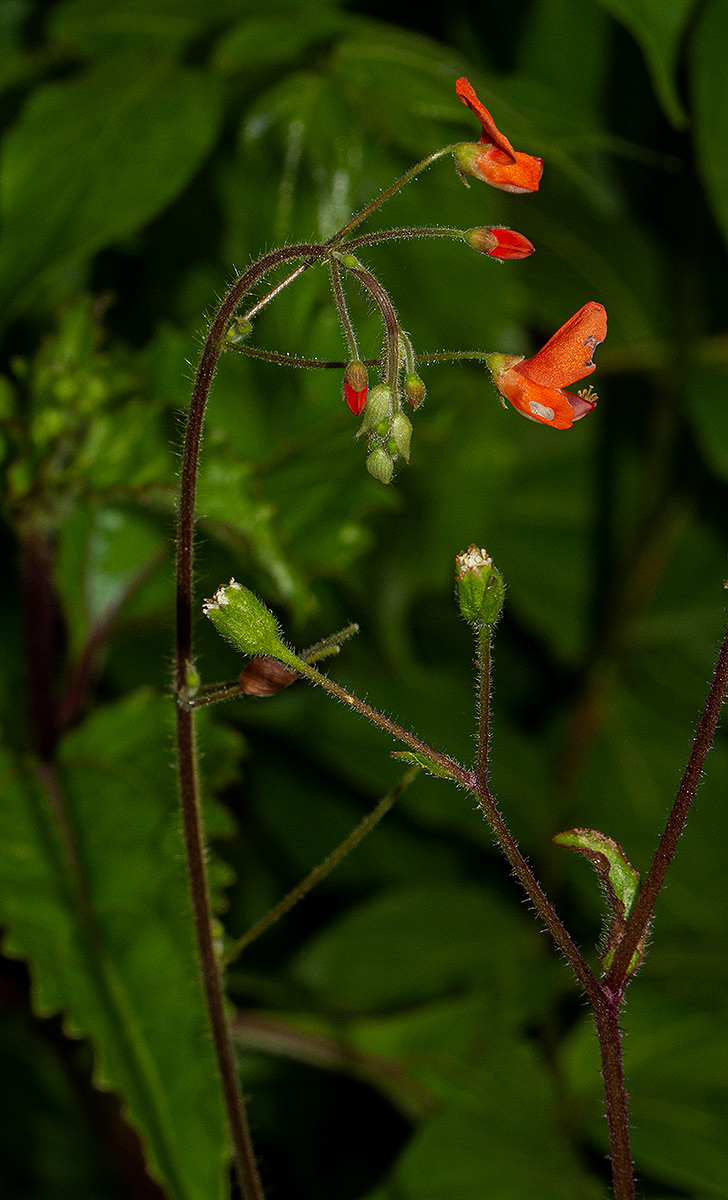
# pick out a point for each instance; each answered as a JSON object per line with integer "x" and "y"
{"x": 380, "y": 465}
{"x": 499, "y": 243}
{"x": 414, "y": 389}
{"x": 356, "y": 382}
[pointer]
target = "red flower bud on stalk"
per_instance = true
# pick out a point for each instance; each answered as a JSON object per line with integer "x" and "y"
{"x": 356, "y": 382}
{"x": 498, "y": 242}
{"x": 493, "y": 158}
{"x": 535, "y": 386}
{"x": 414, "y": 389}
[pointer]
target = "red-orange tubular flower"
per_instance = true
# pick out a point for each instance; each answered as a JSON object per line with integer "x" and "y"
{"x": 499, "y": 242}
{"x": 535, "y": 386}
{"x": 493, "y": 158}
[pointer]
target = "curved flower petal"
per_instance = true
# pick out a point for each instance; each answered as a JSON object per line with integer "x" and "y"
{"x": 567, "y": 356}
{"x": 493, "y": 158}
{"x": 549, "y": 406}
{"x": 491, "y": 132}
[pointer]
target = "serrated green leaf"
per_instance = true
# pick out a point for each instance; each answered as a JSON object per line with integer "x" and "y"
{"x": 658, "y": 26}
{"x": 93, "y": 895}
{"x": 92, "y": 159}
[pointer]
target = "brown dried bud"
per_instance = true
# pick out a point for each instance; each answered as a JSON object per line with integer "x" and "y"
{"x": 265, "y": 676}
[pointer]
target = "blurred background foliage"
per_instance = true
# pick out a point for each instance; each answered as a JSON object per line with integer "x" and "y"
{"x": 406, "y": 1032}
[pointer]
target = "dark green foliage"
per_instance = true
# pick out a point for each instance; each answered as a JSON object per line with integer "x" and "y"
{"x": 150, "y": 149}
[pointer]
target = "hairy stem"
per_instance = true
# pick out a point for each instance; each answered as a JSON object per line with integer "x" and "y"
{"x": 645, "y": 903}
{"x": 606, "y": 1012}
{"x": 404, "y": 234}
{"x": 340, "y": 302}
{"x": 485, "y": 637}
{"x": 390, "y": 365}
{"x": 247, "y": 1172}
{"x": 323, "y": 869}
{"x": 387, "y": 194}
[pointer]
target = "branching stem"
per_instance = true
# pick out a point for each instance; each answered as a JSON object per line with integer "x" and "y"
{"x": 246, "y": 1169}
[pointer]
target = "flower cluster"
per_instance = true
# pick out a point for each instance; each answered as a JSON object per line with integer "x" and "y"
{"x": 537, "y": 386}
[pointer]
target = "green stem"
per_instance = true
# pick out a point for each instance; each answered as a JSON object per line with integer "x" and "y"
{"x": 323, "y": 869}
{"x": 405, "y": 234}
{"x": 408, "y": 176}
{"x": 465, "y": 778}
{"x": 342, "y": 310}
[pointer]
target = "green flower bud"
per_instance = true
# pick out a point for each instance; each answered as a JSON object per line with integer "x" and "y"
{"x": 402, "y": 435}
{"x": 240, "y": 617}
{"x": 378, "y": 408}
{"x": 480, "y": 587}
{"x": 380, "y": 465}
{"x": 414, "y": 389}
{"x": 239, "y": 331}
{"x": 350, "y": 261}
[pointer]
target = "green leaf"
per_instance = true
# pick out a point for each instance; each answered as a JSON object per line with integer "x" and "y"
{"x": 658, "y": 26}
{"x": 707, "y": 393}
{"x": 104, "y": 557}
{"x": 92, "y": 159}
{"x": 609, "y": 860}
{"x": 415, "y": 942}
{"x": 93, "y": 895}
{"x": 135, "y": 24}
{"x": 421, "y": 760}
{"x": 264, "y": 42}
{"x": 709, "y": 83}
{"x": 504, "y": 1143}
{"x": 619, "y": 879}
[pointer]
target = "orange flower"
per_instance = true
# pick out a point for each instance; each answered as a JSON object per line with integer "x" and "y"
{"x": 493, "y": 158}
{"x": 535, "y": 386}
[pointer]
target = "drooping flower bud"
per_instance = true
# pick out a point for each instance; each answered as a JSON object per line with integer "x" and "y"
{"x": 378, "y": 408}
{"x": 402, "y": 435}
{"x": 498, "y": 242}
{"x": 480, "y": 587}
{"x": 414, "y": 389}
{"x": 356, "y": 382}
{"x": 380, "y": 465}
